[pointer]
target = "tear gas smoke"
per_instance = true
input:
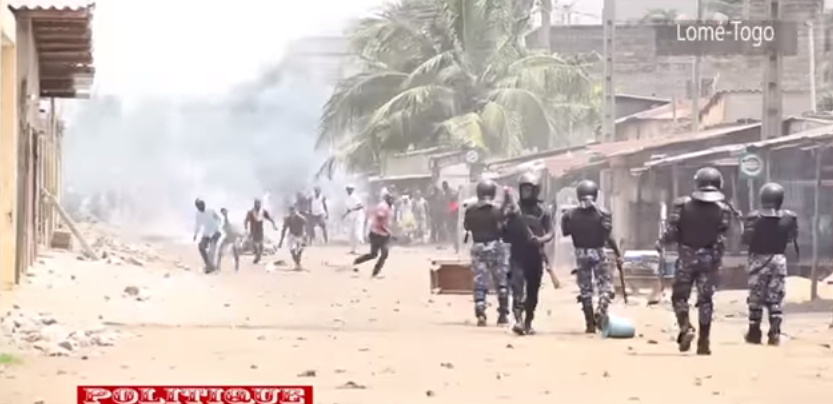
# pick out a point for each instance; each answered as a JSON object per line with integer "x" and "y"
{"x": 143, "y": 165}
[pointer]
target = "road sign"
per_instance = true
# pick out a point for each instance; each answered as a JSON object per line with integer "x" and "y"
{"x": 472, "y": 156}
{"x": 751, "y": 165}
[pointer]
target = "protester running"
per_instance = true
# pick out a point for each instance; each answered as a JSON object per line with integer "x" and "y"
{"x": 231, "y": 239}
{"x": 380, "y": 235}
{"x": 207, "y": 226}
{"x": 254, "y": 227}
{"x": 296, "y": 225}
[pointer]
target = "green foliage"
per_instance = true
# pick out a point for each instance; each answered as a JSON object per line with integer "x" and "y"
{"x": 453, "y": 73}
{"x": 9, "y": 359}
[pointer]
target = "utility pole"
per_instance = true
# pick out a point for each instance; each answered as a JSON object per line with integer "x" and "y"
{"x": 696, "y": 79}
{"x": 772, "y": 114}
{"x": 609, "y": 106}
{"x": 811, "y": 44}
{"x": 546, "y": 25}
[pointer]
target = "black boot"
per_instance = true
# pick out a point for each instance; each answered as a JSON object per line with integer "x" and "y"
{"x": 753, "y": 334}
{"x": 528, "y": 330}
{"x": 589, "y": 319}
{"x": 774, "y": 335}
{"x": 480, "y": 313}
{"x": 686, "y": 335}
{"x": 703, "y": 343}
{"x": 518, "y": 327}
{"x": 502, "y": 311}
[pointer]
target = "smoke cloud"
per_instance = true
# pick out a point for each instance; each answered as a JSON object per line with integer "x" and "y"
{"x": 142, "y": 163}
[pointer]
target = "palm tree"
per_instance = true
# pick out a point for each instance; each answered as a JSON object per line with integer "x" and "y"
{"x": 452, "y": 72}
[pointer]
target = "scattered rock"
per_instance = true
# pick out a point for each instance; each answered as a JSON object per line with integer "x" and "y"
{"x": 652, "y": 342}
{"x": 308, "y": 373}
{"x": 44, "y": 333}
{"x": 429, "y": 393}
{"x": 351, "y": 385}
{"x": 447, "y": 365}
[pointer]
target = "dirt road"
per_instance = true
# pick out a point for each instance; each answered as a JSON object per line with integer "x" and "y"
{"x": 367, "y": 341}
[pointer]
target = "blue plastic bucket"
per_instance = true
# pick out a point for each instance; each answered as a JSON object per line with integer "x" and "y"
{"x": 618, "y": 327}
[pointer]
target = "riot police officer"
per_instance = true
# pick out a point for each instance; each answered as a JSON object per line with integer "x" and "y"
{"x": 529, "y": 228}
{"x": 767, "y": 232}
{"x": 698, "y": 225}
{"x": 484, "y": 222}
{"x": 590, "y": 227}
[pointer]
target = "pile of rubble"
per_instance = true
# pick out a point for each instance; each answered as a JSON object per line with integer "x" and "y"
{"x": 116, "y": 252}
{"x": 42, "y": 332}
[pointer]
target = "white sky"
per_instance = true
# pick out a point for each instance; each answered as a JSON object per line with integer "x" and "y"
{"x": 196, "y": 47}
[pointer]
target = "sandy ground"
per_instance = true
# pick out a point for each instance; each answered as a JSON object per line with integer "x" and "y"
{"x": 392, "y": 339}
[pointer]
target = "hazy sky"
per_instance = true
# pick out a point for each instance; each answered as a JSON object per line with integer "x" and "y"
{"x": 193, "y": 47}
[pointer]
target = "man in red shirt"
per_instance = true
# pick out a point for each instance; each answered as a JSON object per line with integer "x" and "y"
{"x": 380, "y": 235}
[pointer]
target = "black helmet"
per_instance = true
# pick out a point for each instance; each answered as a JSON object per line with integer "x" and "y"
{"x": 486, "y": 190}
{"x": 771, "y": 197}
{"x": 587, "y": 192}
{"x": 199, "y": 203}
{"x": 531, "y": 180}
{"x": 708, "y": 183}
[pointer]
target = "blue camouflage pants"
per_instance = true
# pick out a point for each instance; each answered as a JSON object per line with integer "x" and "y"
{"x": 767, "y": 275}
{"x": 697, "y": 268}
{"x": 489, "y": 262}
{"x": 591, "y": 266}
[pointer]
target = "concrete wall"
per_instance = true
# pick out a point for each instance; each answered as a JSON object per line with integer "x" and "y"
{"x": 739, "y": 106}
{"x": 8, "y": 149}
{"x": 639, "y": 71}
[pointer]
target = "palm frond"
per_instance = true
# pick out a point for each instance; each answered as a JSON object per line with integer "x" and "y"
{"x": 463, "y": 130}
{"x": 352, "y": 100}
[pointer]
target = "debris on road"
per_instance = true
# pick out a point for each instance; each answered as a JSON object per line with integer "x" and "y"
{"x": 42, "y": 332}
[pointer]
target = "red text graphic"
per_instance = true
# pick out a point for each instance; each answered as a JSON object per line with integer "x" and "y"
{"x": 194, "y": 394}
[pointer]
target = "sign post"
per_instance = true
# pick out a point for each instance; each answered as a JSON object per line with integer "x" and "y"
{"x": 751, "y": 166}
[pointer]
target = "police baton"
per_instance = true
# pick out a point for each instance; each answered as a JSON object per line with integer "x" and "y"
{"x": 622, "y": 279}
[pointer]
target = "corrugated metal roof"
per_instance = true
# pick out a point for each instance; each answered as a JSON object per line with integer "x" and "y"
{"x": 49, "y": 4}
{"x": 813, "y": 135}
{"x": 665, "y": 112}
{"x": 599, "y": 153}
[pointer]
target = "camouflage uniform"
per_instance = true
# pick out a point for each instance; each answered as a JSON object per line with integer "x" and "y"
{"x": 767, "y": 232}
{"x": 697, "y": 268}
{"x": 767, "y": 275}
{"x": 488, "y": 261}
{"x": 591, "y": 264}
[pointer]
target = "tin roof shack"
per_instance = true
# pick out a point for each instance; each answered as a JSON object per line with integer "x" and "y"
{"x": 629, "y": 104}
{"x": 663, "y": 120}
{"x": 802, "y": 163}
{"x": 431, "y": 166}
{"x": 633, "y": 201}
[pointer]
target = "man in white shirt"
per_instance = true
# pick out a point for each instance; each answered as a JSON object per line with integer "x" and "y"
{"x": 421, "y": 216}
{"x": 318, "y": 215}
{"x": 207, "y": 225}
{"x": 355, "y": 219}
